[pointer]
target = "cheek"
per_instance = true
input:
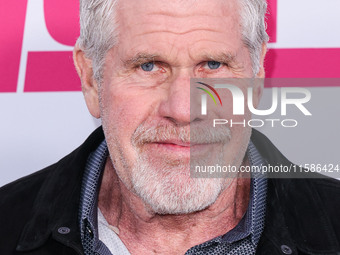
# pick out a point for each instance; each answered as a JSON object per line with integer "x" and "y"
{"x": 123, "y": 110}
{"x": 231, "y": 105}
{"x": 238, "y": 124}
{"x": 119, "y": 118}
{"x": 119, "y": 123}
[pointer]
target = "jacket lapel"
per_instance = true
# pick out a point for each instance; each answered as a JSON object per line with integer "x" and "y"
{"x": 55, "y": 211}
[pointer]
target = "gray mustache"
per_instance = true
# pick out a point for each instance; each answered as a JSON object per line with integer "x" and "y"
{"x": 196, "y": 134}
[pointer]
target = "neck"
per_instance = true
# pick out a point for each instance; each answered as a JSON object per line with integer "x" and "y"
{"x": 144, "y": 232}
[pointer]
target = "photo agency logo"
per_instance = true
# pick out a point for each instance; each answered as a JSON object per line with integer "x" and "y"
{"x": 241, "y": 93}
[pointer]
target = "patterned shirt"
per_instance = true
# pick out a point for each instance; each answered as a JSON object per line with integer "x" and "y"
{"x": 242, "y": 239}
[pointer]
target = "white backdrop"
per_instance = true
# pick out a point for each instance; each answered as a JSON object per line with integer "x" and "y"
{"x": 39, "y": 128}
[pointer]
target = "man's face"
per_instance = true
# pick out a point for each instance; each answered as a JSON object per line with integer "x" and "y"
{"x": 145, "y": 99}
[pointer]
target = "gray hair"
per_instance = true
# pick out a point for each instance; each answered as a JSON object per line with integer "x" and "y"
{"x": 254, "y": 26}
{"x": 98, "y": 31}
{"x": 98, "y": 34}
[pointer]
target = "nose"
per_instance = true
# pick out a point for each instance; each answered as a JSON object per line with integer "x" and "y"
{"x": 176, "y": 105}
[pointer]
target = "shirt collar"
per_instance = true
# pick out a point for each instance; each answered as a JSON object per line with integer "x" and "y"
{"x": 252, "y": 223}
{"x": 89, "y": 201}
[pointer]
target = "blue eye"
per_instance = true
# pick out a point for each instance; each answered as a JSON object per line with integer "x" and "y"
{"x": 147, "y": 67}
{"x": 214, "y": 64}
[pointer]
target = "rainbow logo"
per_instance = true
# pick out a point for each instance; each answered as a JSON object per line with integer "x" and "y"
{"x": 209, "y": 93}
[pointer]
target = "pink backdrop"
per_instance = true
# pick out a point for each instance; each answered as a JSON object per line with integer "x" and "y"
{"x": 54, "y": 71}
{"x": 36, "y": 43}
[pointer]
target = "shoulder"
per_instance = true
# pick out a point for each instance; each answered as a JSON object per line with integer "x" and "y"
{"x": 16, "y": 202}
{"x": 323, "y": 193}
{"x": 303, "y": 208}
{"x": 31, "y": 184}
{"x": 297, "y": 184}
{"x": 36, "y": 200}
{"x": 24, "y": 186}
{"x": 23, "y": 191}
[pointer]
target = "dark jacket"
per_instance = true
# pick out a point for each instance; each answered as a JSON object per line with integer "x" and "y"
{"x": 39, "y": 213}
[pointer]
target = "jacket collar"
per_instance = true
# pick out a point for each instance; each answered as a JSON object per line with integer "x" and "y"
{"x": 55, "y": 210}
{"x": 298, "y": 202}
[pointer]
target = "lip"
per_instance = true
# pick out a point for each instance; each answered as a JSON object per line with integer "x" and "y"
{"x": 175, "y": 143}
{"x": 178, "y": 149}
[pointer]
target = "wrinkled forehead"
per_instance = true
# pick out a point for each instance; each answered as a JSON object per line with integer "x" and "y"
{"x": 185, "y": 13}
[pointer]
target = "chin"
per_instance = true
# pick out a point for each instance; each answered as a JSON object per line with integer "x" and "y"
{"x": 171, "y": 190}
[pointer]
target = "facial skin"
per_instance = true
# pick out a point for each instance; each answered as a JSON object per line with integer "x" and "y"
{"x": 144, "y": 101}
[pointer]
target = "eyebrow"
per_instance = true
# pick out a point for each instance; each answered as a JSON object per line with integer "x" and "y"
{"x": 225, "y": 57}
{"x": 140, "y": 58}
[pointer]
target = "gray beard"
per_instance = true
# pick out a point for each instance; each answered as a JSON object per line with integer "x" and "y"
{"x": 168, "y": 188}
{"x": 164, "y": 184}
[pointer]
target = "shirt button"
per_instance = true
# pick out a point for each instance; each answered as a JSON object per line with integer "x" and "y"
{"x": 64, "y": 230}
{"x": 87, "y": 228}
{"x": 89, "y": 231}
{"x": 286, "y": 249}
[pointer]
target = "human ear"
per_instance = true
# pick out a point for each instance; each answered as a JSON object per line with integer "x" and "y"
{"x": 259, "y": 82}
{"x": 261, "y": 73}
{"x": 89, "y": 84}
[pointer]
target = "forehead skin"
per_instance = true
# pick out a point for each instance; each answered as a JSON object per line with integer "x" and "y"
{"x": 178, "y": 30}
